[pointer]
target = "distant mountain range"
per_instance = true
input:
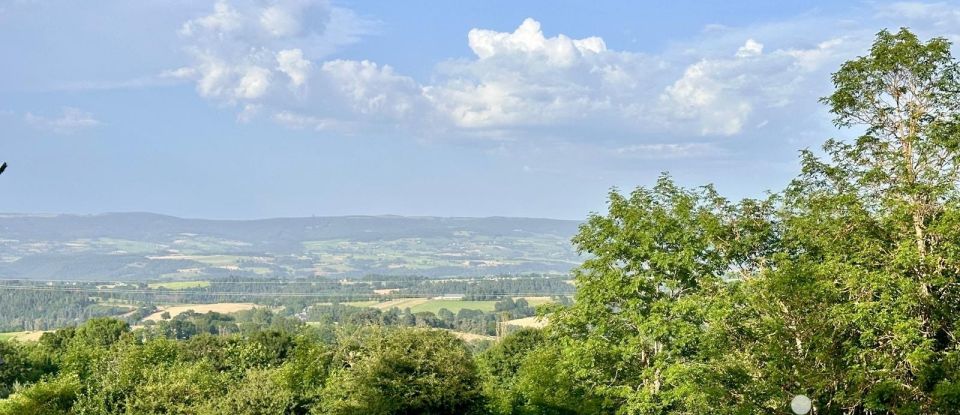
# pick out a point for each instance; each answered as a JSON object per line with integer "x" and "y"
{"x": 145, "y": 246}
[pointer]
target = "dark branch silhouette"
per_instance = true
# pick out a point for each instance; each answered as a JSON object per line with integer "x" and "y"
{"x": 3, "y": 167}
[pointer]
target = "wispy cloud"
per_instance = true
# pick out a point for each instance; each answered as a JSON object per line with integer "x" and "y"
{"x": 69, "y": 121}
{"x": 669, "y": 151}
{"x": 166, "y": 78}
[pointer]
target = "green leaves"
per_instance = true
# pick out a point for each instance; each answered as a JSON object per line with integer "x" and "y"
{"x": 840, "y": 288}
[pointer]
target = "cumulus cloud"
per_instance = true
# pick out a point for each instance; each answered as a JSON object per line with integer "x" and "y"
{"x": 292, "y": 63}
{"x": 272, "y": 60}
{"x": 370, "y": 89}
{"x": 526, "y": 80}
{"x": 751, "y": 48}
{"x": 528, "y": 41}
{"x": 707, "y": 96}
{"x": 69, "y": 121}
{"x": 246, "y": 50}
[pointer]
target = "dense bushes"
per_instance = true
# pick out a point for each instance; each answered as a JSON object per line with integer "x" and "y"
{"x": 103, "y": 368}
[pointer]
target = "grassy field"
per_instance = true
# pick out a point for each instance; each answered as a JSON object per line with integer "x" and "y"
{"x": 23, "y": 336}
{"x": 179, "y": 285}
{"x": 535, "y": 301}
{"x": 201, "y": 309}
{"x": 532, "y": 322}
{"x": 362, "y": 303}
{"x": 454, "y": 306}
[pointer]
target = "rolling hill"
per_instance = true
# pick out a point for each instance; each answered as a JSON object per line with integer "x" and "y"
{"x": 135, "y": 246}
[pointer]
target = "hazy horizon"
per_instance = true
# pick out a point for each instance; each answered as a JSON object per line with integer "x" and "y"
{"x": 373, "y": 215}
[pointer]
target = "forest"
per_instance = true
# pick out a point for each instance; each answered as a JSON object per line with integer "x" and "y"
{"x": 843, "y": 287}
{"x": 46, "y": 305}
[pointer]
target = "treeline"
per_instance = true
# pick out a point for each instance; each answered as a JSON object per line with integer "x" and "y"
{"x": 492, "y": 288}
{"x": 190, "y": 324}
{"x": 262, "y": 364}
{"x": 464, "y": 320}
{"x": 44, "y": 310}
{"x": 32, "y": 305}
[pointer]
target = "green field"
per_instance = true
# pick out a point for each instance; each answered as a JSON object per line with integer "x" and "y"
{"x": 362, "y": 303}
{"x": 179, "y": 285}
{"x": 22, "y": 336}
{"x": 454, "y": 306}
{"x": 535, "y": 301}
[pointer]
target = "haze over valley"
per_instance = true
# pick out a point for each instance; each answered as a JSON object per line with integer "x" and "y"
{"x": 141, "y": 246}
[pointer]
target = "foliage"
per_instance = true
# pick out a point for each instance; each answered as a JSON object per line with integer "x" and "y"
{"x": 843, "y": 287}
{"x": 402, "y": 372}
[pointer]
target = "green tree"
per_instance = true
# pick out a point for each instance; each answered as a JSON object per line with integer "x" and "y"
{"x": 180, "y": 389}
{"x": 48, "y": 397}
{"x": 844, "y": 287}
{"x": 499, "y": 366}
{"x": 658, "y": 264}
{"x": 403, "y": 371}
{"x": 874, "y": 233}
{"x": 260, "y": 392}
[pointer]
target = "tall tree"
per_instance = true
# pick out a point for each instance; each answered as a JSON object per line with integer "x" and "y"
{"x": 875, "y": 228}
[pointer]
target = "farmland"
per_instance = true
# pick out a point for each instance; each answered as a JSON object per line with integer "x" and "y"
{"x": 178, "y": 285}
{"x": 137, "y": 247}
{"x": 222, "y": 308}
{"x": 21, "y": 336}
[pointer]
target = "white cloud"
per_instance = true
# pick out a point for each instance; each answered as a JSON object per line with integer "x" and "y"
{"x": 749, "y": 49}
{"x": 292, "y": 63}
{"x": 526, "y": 80}
{"x": 280, "y": 21}
{"x": 69, "y": 121}
{"x": 270, "y": 60}
{"x": 814, "y": 58}
{"x": 242, "y": 47}
{"x": 224, "y": 19}
{"x": 254, "y": 82}
{"x": 372, "y": 90}
{"x": 707, "y": 95}
{"x": 528, "y": 41}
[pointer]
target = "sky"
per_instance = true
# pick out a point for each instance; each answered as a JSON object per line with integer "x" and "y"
{"x": 241, "y": 109}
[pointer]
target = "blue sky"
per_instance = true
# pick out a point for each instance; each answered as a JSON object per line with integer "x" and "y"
{"x": 248, "y": 108}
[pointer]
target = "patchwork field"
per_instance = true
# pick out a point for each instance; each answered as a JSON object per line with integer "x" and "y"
{"x": 201, "y": 308}
{"x": 123, "y": 247}
{"x": 179, "y": 285}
